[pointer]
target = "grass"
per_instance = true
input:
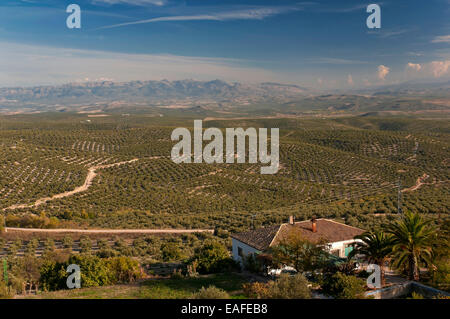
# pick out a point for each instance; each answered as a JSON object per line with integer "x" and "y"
{"x": 153, "y": 289}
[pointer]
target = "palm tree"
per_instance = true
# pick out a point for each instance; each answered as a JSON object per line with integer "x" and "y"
{"x": 412, "y": 243}
{"x": 375, "y": 246}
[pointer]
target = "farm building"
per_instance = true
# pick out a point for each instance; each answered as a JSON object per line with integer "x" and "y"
{"x": 340, "y": 237}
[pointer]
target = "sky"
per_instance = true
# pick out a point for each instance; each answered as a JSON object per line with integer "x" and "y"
{"x": 319, "y": 44}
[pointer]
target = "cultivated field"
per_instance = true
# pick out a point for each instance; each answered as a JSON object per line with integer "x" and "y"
{"x": 116, "y": 172}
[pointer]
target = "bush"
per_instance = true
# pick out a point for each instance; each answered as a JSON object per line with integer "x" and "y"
{"x": 85, "y": 245}
{"x": 213, "y": 257}
{"x": 107, "y": 253}
{"x": 289, "y": 287}
{"x": 256, "y": 290}
{"x": 5, "y": 291}
{"x": 170, "y": 251}
{"x": 440, "y": 276}
{"x": 95, "y": 271}
{"x": 253, "y": 264}
{"x": 67, "y": 242}
{"x": 342, "y": 286}
{"x": 211, "y": 293}
{"x": 124, "y": 269}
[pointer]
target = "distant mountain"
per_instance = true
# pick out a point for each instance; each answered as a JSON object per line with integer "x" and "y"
{"x": 145, "y": 91}
{"x": 410, "y": 88}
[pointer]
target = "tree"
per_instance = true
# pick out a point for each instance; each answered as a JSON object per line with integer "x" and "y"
{"x": 440, "y": 274}
{"x": 170, "y": 251}
{"x": 303, "y": 255}
{"x": 94, "y": 270}
{"x": 124, "y": 269}
{"x": 412, "y": 243}
{"x": 212, "y": 257}
{"x": 376, "y": 247}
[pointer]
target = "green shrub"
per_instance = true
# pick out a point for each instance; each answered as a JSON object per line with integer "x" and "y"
{"x": 107, "y": 253}
{"x": 211, "y": 292}
{"x": 124, "y": 269}
{"x": 289, "y": 287}
{"x": 342, "y": 286}
{"x": 95, "y": 271}
{"x": 85, "y": 245}
{"x": 170, "y": 251}
{"x": 67, "y": 242}
{"x": 213, "y": 257}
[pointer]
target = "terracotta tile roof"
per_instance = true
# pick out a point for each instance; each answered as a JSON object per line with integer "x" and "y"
{"x": 260, "y": 238}
{"x": 328, "y": 230}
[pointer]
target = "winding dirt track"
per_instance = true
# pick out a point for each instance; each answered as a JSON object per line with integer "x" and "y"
{"x": 92, "y": 173}
{"x": 419, "y": 183}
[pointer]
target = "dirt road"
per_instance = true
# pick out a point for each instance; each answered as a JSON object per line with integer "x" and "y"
{"x": 419, "y": 183}
{"x": 92, "y": 173}
{"x": 110, "y": 231}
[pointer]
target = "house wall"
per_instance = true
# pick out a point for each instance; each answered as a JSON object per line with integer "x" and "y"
{"x": 340, "y": 245}
{"x": 246, "y": 249}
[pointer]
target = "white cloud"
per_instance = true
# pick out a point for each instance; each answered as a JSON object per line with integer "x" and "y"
{"x": 440, "y": 68}
{"x": 132, "y": 2}
{"x": 25, "y": 65}
{"x": 436, "y": 69}
{"x": 247, "y": 14}
{"x": 414, "y": 66}
{"x": 383, "y": 71}
{"x": 441, "y": 39}
{"x": 350, "y": 79}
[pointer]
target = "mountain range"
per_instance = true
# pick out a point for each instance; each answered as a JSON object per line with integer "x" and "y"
{"x": 146, "y": 91}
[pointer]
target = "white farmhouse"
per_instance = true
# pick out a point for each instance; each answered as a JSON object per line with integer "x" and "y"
{"x": 340, "y": 237}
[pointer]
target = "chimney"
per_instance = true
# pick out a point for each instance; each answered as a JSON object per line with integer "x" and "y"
{"x": 291, "y": 220}
{"x": 314, "y": 225}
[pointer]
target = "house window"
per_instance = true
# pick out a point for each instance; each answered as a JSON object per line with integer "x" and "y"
{"x": 240, "y": 252}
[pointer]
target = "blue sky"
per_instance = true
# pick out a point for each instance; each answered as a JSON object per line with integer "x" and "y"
{"x": 321, "y": 44}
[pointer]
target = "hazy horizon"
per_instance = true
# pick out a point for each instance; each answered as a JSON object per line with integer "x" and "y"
{"x": 323, "y": 44}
